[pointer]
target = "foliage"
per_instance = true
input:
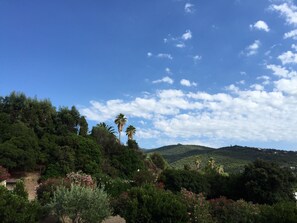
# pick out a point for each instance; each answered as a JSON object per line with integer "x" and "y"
{"x": 128, "y": 161}
{"x": 197, "y": 207}
{"x": 4, "y": 175}
{"x": 14, "y": 208}
{"x": 20, "y": 189}
{"x": 81, "y": 179}
{"x": 130, "y": 132}
{"x": 45, "y": 190}
{"x": 283, "y": 212}
{"x": 226, "y": 210}
{"x": 175, "y": 180}
{"x": 80, "y": 204}
{"x": 148, "y": 204}
{"x": 143, "y": 177}
{"x": 265, "y": 182}
{"x": 120, "y": 121}
{"x": 233, "y": 158}
{"x": 158, "y": 160}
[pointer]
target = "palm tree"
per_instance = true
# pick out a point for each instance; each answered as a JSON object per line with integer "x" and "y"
{"x": 120, "y": 121}
{"x": 130, "y": 131}
{"x": 106, "y": 127}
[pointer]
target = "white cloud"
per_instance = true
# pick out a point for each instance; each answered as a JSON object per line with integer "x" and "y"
{"x": 241, "y": 115}
{"x": 260, "y": 25}
{"x": 292, "y": 34}
{"x": 180, "y": 45}
{"x": 196, "y": 58}
{"x": 265, "y": 78}
{"x": 278, "y": 70}
{"x": 257, "y": 87}
{"x": 166, "y": 79}
{"x": 253, "y": 48}
{"x": 288, "y": 86}
{"x": 294, "y": 46}
{"x": 187, "y": 35}
{"x": 149, "y": 54}
{"x": 187, "y": 83}
{"x": 289, "y": 11}
{"x": 189, "y": 8}
{"x": 288, "y": 57}
{"x": 165, "y": 56}
{"x": 167, "y": 70}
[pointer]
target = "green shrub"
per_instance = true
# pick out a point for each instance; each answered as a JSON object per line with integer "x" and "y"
{"x": 14, "y": 208}
{"x": 193, "y": 181}
{"x": 80, "y": 204}
{"x": 152, "y": 205}
{"x": 20, "y": 189}
{"x": 284, "y": 212}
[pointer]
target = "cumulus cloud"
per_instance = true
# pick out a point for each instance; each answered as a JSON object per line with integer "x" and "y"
{"x": 288, "y": 57}
{"x": 189, "y": 8}
{"x": 260, "y": 25}
{"x": 187, "y": 83}
{"x": 166, "y": 79}
{"x": 287, "y": 10}
{"x": 292, "y": 34}
{"x": 253, "y": 48}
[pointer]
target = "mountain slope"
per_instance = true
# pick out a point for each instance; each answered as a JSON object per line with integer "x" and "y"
{"x": 233, "y": 158}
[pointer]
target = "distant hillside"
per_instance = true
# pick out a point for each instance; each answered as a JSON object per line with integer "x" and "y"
{"x": 233, "y": 158}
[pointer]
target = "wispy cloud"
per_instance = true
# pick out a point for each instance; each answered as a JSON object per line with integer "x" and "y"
{"x": 166, "y": 79}
{"x": 260, "y": 25}
{"x": 292, "y": 34}
{"x": 160, "y": 55}
{"x": 253, "y": 48}
{"x": 179, "y": 41}
{"x": 165, "y": 56}
{"x": 187, "y": 83}
{"x": 196, "y": 58}
{"x": 187, "y": 35}
{"x": 189, "y": 8}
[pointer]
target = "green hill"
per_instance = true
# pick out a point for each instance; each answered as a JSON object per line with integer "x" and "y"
{"x": 233, "y": 158}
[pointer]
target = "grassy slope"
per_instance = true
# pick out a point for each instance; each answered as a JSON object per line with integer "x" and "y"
{"x": 233, "y": 158}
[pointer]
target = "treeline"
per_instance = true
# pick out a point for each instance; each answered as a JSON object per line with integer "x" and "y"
{"x": 90, "y": 175}
{"x": 36, "y": 135}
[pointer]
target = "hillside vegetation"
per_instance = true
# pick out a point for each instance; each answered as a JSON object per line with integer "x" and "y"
{"x": 233, "y": 158}
{"x": 88, "y": 175}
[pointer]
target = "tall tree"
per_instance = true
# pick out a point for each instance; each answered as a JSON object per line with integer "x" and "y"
{"x": 130, "y": 131}
{"x": 120, "y": 121}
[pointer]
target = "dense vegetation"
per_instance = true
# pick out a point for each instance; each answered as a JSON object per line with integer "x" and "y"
{"x": 233, "y": 158}
{"x": 90, "y": 175}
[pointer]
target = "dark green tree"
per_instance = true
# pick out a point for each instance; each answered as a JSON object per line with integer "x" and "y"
{"x": 266, "y": 182}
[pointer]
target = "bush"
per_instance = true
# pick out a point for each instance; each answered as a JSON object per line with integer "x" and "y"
{"x": 284, "y": 212}
{"x": 197, "y": 207}
{"x": 20, "y": 189}
{"x": 226, "y": 210}
{"x": 193, "y": 181}
{"x": 14, "y": 208}
{"x": 80, "y": 204}
{"x": 149, "y": 204}
{"x": 45, "y": 190}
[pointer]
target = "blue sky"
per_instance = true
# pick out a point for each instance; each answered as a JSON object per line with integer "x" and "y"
{"x": 209, "y": 72}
